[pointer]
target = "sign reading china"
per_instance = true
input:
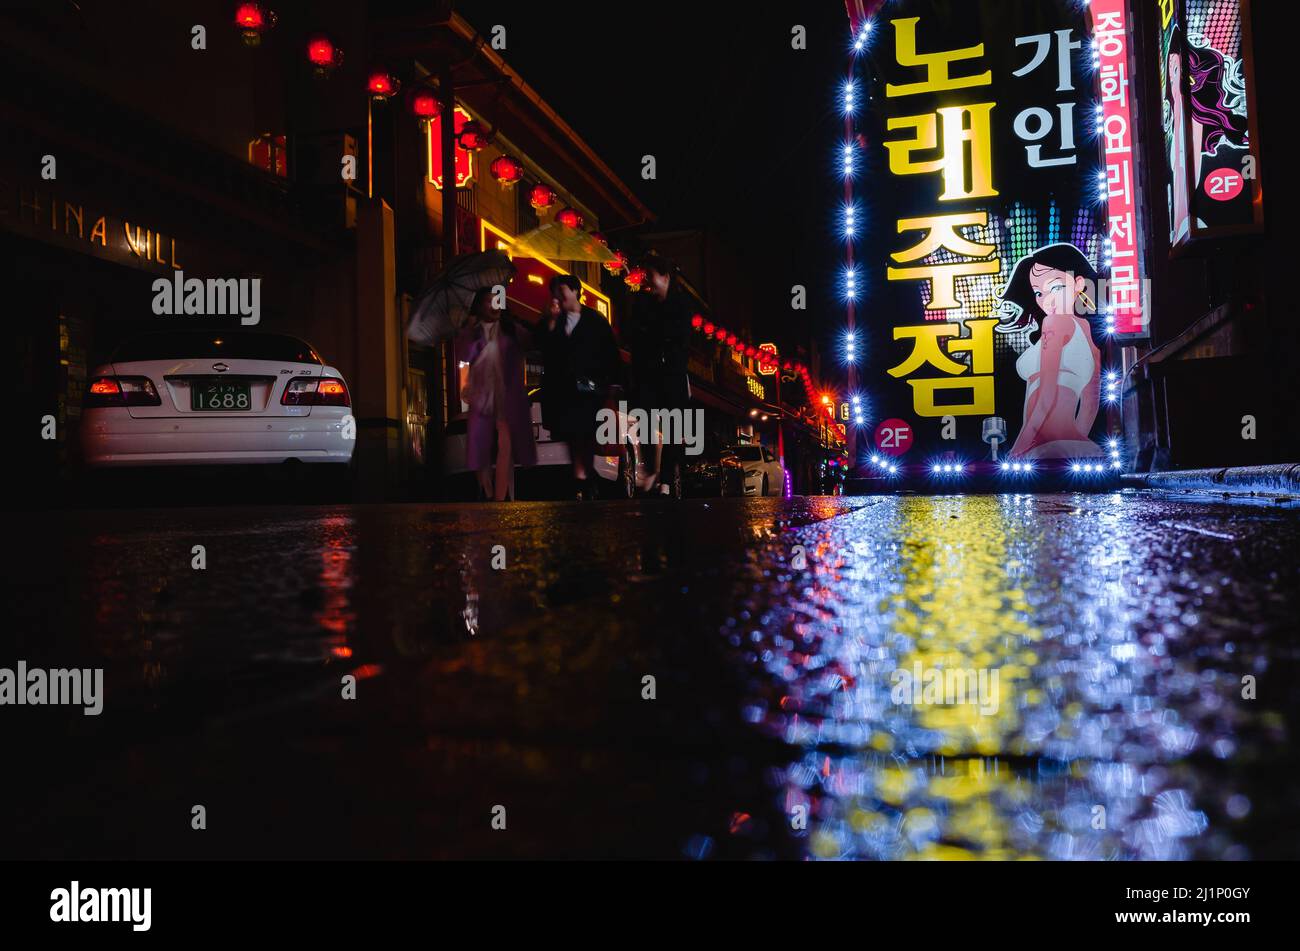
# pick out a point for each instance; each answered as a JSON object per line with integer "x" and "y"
{"x": 994, "y": 185}
{"x": 38, "y": 212}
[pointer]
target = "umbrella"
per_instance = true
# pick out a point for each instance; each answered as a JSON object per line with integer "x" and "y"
{"x": 560, "y": 243}
{"x": 443, "y": 308}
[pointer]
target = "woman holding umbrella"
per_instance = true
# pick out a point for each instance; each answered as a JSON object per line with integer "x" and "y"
{"x": 498, "y": 403}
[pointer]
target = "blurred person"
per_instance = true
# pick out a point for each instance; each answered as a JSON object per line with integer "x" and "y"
{"x": 659, "y": 330}
{"x": 499, "y": 410}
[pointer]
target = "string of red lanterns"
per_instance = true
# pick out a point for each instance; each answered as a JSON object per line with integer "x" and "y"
{"x": 253, "y": 20}
{"x": 765, "y": 359}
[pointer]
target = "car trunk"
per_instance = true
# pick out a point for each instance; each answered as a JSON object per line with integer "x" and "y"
{"x": 195, "y": 388}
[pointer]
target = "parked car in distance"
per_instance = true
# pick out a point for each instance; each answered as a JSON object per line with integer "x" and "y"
{"x": 188, "y": 397}
{"x": 715, "y": 473}
{"x": 763, "y": 473}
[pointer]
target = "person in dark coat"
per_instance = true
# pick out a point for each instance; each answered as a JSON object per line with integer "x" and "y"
{"x": 659, "y": 339}
{"x": 582, "y": 362}
{"x": 499, "y": 411}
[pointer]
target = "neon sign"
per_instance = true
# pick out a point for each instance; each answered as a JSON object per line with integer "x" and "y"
{"x": 997, "y": 245}
{"x": 464, "y": 159}
{"x": 1119, "y": 187}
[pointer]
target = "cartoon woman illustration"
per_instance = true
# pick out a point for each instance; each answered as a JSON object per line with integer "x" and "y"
{"x": 1176, "y": 137}
{"x": 1214, "y": 91}
{"x": 1062, "y": 369}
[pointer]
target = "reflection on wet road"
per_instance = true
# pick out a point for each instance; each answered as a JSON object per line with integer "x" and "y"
{"x": 1118, "y": 654}
{"x": 889, "y": 678}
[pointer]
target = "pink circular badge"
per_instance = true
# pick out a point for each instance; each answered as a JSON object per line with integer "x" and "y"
{"x": 1224, "y": 184}
{"x": 894, "y": 437}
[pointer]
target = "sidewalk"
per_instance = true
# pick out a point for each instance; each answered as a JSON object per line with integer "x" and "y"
{"x": 1281, "y": 481}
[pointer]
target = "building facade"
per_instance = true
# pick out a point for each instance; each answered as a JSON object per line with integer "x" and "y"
{"x": 1214, "y": 383}
{"x": 174, "y": 140}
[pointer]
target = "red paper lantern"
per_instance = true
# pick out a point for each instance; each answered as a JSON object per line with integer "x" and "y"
{"x": 253, "y": 20}
{"x": 324, "y": 56}
{"x": 751, "y": 352}
{"x": 542, "y": 197}
{"x": 708, "y": 330}
{"x": 635, "y": 278}
{"x": 382, "y": 85}
{"x": 507, "y": 170}
{"x": 616, "y": 265}
{"x": 472, "y": 136}
{"x": 697, "y": 321}
{"x": 425, "y": 105}
{"x": 569, "y": 218}
{"x": 731, "y": 340}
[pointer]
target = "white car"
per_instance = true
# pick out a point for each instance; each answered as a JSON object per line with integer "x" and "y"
{"x": 763, "y": 473}
{"x": 203, "y": 398}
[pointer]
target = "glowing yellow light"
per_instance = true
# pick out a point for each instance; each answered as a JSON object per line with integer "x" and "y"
{"x": 505, "y": 241}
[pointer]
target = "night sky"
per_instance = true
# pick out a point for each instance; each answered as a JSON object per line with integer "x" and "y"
{"x": 743, "y": 127}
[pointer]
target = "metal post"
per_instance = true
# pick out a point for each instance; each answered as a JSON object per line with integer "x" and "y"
{"x": 780, "y": 419}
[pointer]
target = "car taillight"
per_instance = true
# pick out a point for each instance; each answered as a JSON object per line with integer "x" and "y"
{"x": 121, "y": 391}
{"x": 312, "y": 391}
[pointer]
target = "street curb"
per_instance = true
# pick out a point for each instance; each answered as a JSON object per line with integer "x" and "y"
{"x": 1280, "y": 481}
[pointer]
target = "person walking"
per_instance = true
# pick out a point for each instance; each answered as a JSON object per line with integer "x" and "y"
{"x": 582, "y": 362}
{"x": 659, "y": 339}
{"x": 499, "y": 410}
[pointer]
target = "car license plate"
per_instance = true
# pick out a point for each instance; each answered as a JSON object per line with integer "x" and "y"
{"x": 223, "y": 397}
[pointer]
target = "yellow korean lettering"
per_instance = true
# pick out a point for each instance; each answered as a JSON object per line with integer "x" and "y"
{"x": 960, "y": 125}
{"x": 937, "y": 66}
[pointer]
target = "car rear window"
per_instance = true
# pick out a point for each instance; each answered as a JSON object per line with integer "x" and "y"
{"x": 197, "y": 344}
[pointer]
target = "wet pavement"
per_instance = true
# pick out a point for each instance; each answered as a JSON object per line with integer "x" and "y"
{"x": 1102, "y": 642}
